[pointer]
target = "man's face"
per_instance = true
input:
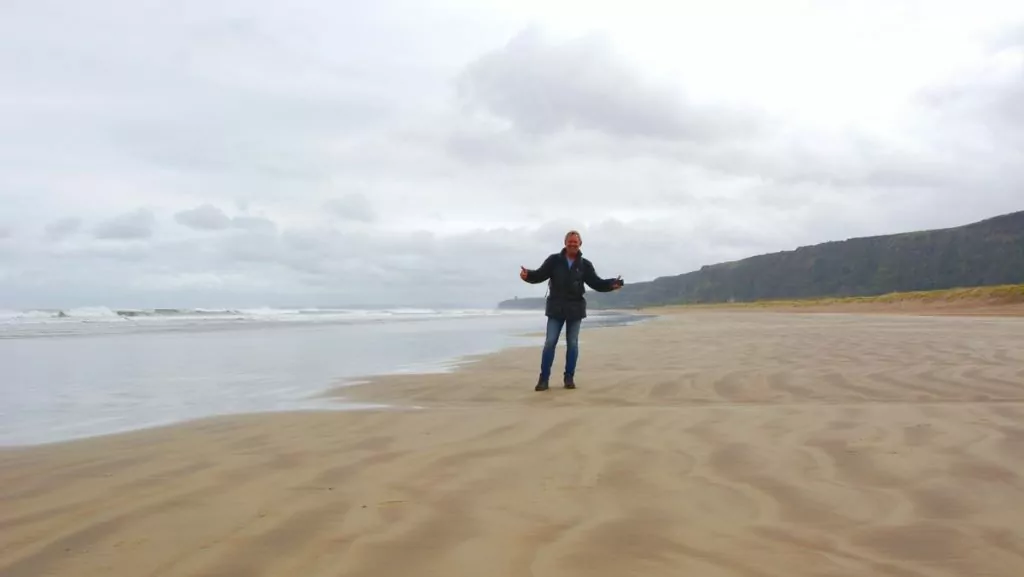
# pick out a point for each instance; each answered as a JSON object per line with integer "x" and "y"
{"x": 572, "y": 244}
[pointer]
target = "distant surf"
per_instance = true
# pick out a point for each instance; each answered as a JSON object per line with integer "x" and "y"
{"x": 87, "y": 320}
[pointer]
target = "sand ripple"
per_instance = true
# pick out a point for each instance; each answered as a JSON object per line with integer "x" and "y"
{"x": 708, "y": 444}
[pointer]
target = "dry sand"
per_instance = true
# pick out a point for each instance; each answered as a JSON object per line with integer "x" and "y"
{"x": 708, "y": 444}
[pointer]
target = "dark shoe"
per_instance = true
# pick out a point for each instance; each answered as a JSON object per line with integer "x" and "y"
{"x": 542, "y": 384}
{"x": 569, "y": 383}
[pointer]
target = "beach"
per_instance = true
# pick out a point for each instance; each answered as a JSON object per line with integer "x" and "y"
{"x": 700, "y": 442}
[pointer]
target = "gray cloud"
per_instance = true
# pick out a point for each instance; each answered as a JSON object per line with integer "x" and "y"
{"x": 983, "y": 108}
{"x": 579, "y": 99}
{"x": 63, "y": 227}
{"x": 1009, "y": 39}
{"x": 138, "y": 224}
{"x": 974, "y": 123}
{"x": 254, "y": 223}
{"x": 203, "y": 217}
{"x": 353, "y": 206}
{"x": 543, "y": 87}
{"x": 495, "y": 146}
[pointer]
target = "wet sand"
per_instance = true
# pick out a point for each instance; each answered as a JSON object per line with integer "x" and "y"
{"x": 705, "y": 443}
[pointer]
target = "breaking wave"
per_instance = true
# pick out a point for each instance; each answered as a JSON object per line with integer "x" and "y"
{"x": 194, "y": 316}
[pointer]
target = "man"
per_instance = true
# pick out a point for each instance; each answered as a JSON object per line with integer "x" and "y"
{"x": 566, "y": 272}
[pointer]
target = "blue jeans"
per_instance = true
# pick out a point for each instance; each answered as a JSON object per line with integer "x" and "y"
{"x": 572, "y": 348}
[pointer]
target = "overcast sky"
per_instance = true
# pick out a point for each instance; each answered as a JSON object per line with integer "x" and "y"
{"x": 417, "y": 152}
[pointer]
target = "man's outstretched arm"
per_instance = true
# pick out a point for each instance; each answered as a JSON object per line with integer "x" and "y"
{"x": 601, "y": 285}
{"x": 536, "y": 276}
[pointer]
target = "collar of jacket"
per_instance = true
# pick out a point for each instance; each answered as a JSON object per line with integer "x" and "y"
{"x": 579, "y": 256}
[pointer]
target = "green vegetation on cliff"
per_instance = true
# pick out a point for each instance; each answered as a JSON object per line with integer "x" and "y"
{"x": 985, "y": 253}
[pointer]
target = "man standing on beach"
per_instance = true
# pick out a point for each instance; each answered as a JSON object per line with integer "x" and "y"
{"x": 566, "y": 272}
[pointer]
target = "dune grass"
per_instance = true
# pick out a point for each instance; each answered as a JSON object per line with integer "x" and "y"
{"x": 989, "y": 295}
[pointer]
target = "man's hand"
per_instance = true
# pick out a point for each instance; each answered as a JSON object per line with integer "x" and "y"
{"x": 617, "y": 283}
{"x": 523, "y": 272}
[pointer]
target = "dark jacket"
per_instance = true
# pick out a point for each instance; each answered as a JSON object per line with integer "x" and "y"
{"x": 565, "y": 285}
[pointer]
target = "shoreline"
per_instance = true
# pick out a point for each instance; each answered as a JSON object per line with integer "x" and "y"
{"x": 723, "y": 444}
{"x": 330, "y": 399}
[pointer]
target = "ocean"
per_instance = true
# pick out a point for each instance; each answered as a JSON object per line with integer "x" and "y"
{"x": 77, "y": 373}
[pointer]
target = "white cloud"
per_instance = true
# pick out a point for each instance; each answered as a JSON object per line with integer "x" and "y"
{"x": 302, "y": 154}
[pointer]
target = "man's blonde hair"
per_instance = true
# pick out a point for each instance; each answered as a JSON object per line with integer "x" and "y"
{"x": 575, "y": 233}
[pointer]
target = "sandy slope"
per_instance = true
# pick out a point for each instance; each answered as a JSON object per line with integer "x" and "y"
{"x": 707, "y": 444}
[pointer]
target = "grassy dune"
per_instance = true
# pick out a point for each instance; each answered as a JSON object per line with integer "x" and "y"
{"x": 966, "y": 298}
{"x": 1002, "y": 294}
